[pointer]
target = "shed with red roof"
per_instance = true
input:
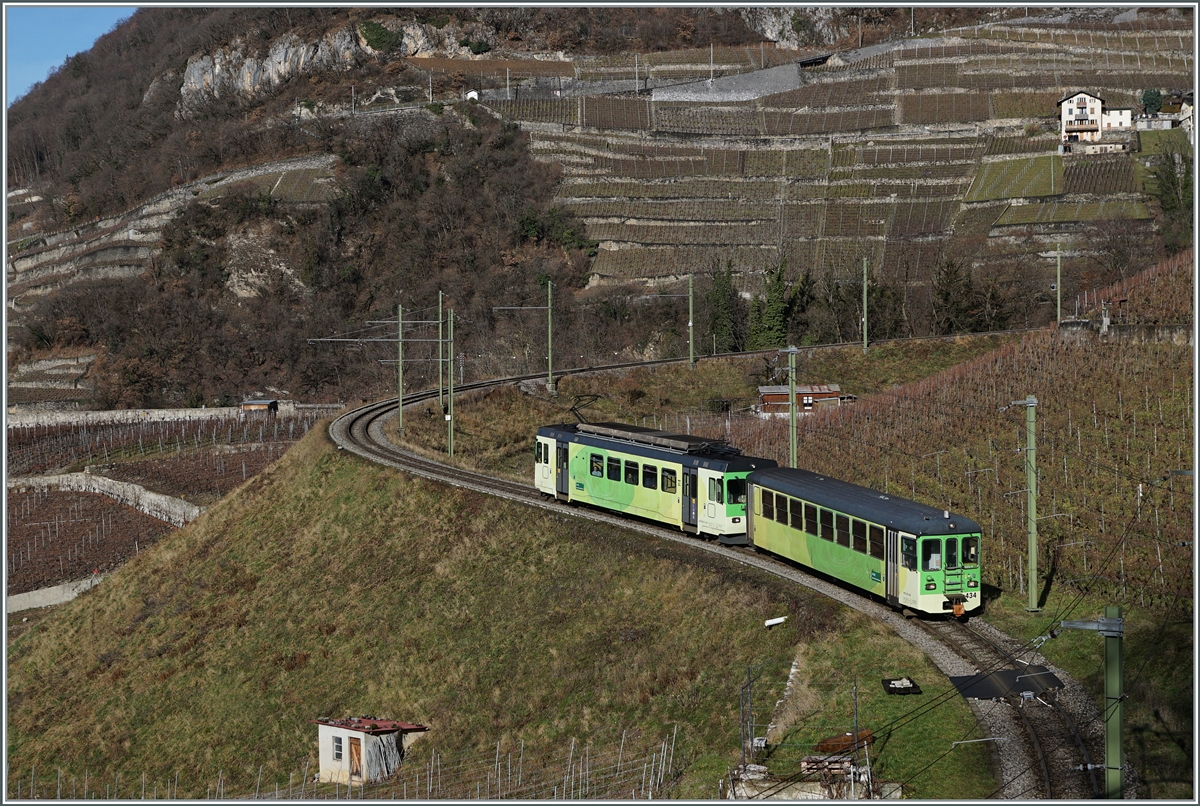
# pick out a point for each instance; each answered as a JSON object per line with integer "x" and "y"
{"x": 362, "y": 748}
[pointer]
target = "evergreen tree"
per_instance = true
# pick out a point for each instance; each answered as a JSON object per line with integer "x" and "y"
{"x": 954, "y": 298}
{"x": 1172, "y": 174}
{"x": 723, "y": 311}
{"x": 769, "y": 316}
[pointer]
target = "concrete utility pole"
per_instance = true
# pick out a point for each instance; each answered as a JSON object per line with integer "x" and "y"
{"x": 791, "y": 354}
{"x": 550, "y": 338}
{"x": 1058, "y": 280}
{"x": 450, "y": 391}
{"x": 1112, "y": 627}
{"x": 400, "y": 370}
{"x": 864, "y": 305}
{"x": 1031, "y": 484}
{"x": 691, "y": 342}
{"x": 440, "y": 359}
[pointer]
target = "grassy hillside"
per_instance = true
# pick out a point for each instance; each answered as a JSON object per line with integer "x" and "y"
{"x": 327, "y": 586}
{"x": 1113, "y": 420}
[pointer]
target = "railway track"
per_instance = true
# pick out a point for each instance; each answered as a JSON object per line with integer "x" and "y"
{"x": 1060, "y": 763}
{"x": 1045, "y": 749}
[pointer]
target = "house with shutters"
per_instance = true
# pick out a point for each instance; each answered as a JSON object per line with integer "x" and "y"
{"x": 1085, "y": 118}
{"x": 773, "y": 400}
{"x": 361, "y": 749}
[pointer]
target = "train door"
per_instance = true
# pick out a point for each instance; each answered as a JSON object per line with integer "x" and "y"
{"x": 562, "y": 474}
{"x": 689, "y": 499}
{"x": 892, "y": 571}
{"x": 544, "y": 467}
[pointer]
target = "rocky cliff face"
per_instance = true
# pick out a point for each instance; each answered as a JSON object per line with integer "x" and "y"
{"x": 230, "y": 72}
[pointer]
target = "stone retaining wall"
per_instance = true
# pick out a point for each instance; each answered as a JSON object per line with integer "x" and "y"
{"x": 1082, "y": 330}
{"x": 18, "y": 418}
{"x": 175, "y": 511}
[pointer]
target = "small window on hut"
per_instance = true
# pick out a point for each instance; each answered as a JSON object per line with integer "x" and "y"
{"x": 337, "y": 748}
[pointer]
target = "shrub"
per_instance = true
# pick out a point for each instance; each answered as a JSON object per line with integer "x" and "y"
{"x": 379, "y": 38}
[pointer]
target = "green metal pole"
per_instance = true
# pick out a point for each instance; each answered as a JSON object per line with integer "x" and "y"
{"x": 1031, "y": 484}
{"x": 400, "y": 370}
{"x": 440, "y": 359}
{"x": 450, "y": 388}
{"x": 864, "y": 304}
{"x": 1058, "y": 281}
{"x": 550, "y": 338}
{"x": 1114, "y": 779}
{"x": 691, "y": 342}
{"x": 792, "y": 406}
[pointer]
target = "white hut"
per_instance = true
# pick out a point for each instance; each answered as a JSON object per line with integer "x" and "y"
{"x": 359, "y": 749}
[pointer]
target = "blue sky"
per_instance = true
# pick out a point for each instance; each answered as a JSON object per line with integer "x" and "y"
{"x": 38, "y": 39}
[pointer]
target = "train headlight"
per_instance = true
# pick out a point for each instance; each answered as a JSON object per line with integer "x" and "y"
{"x": 737, "y": 520}
{"x": 930, "y": 586}
{"x": 972, "y": 583}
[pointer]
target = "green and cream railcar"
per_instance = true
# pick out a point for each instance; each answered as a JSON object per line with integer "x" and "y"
{"x": 695, "y": 484}
{"x": 912, "y": 555}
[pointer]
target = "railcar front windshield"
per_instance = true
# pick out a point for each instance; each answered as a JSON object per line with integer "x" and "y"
{"x": 737, "y": 491}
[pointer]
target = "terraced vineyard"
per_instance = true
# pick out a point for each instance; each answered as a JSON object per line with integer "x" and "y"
{"x": 1101, "y": 175}
{"x": 1019, "y": 178}
{"x": 1056, "y": 212}
{"x": 903, "y": 157}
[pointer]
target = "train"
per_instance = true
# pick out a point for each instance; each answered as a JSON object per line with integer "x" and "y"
{"x": 915, "y": 557}
{"x": 695, "y": 484}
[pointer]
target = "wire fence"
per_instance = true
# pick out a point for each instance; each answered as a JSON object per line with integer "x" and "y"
{"x": 627, "y": 769}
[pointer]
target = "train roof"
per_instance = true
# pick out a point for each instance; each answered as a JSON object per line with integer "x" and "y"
{"x": 897, "y": 513}
{"x": 687, "y": 449}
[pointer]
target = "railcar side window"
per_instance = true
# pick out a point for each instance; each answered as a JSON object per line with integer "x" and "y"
{"x": 650, "y": 477}
{"x": 876, "y": 534}
{"x": 668, "y": 481}
{"x": 970, "y": 551}
{"x": 826, "y": 524}
{"x": 631, "y": 471}
{"x": 859, "y": 530}
{"x": 810, "y": 519}
{"x": 931, "y": 554}
{"x": 715, "y": 491}
{"x": 539, "y": 453}
{"x": 797, "y": 514}
{"x": 952, "y": 552}
{"x": 597, "y": 465}
{"x": 737, "y": 491}
{"x": 781, "y": 509}
{"x": 768, "y": 505}
{"x": 614, "y": 469}
{"x": 908, "y": 553}
{"x": 843, "y": 531}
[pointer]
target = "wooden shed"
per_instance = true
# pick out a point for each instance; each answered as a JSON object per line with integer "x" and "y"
{"x": 261, "y": 406}
{"x": 359, "y": 749}
{"x": 774, "y": 399}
